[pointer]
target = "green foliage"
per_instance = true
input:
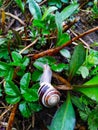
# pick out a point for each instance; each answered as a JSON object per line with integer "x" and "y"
{"x": 77, "y": 60}
{"x": 95, "y": 9}
{"x": 64, "y": 117}
{"x": 92, "y": 91}
{"x": 34, "y": 9}
{"x": 87, "y": 111}
{"x": 1, "y": 3}
{"x": 60, "y": 17}
{"x": 58, "y": 3}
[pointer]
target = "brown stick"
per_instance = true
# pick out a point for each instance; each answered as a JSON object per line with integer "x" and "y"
{"x": 12, "y": 116}
{"x": 64, "y": 81}
{"x": 57, "y": 49}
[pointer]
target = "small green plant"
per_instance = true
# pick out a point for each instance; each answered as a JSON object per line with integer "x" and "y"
{"x": 95, "y": 9}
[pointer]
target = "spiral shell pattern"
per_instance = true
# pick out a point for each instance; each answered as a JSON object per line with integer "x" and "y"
{"x": 48, "y": 95}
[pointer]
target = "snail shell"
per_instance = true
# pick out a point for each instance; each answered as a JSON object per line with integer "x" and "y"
{"x": 48, "y": 95}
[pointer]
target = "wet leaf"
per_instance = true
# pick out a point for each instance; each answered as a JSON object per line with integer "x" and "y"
{"x": 48, "y": 11}
{"x": 34, "y": 9}
{"x": 65, "y": 53}
{"x": 68, "y": 11}
{"x": 77, "y": 60}
{"x": 11, "y": 89}
{"x": 24, "y": 82}
{"x": 16, "y": 57}
{"x": 58, "y": 67}
{"x": 12, "y": 99}
{"x": 36, "y": 75}
{"x": 24, "y": 109}
{"x": 64, "y": 119}
{"x": 91, "y": 92}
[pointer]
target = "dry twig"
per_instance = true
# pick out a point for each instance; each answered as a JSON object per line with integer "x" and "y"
{"x": 11, "y": 118}
{"x": 15, "y": 17}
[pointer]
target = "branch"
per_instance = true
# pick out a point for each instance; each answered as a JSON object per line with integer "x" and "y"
{"x": 28, "y": 46}
{"x": 57, "y": 49}
{"x": 15, "y": 17}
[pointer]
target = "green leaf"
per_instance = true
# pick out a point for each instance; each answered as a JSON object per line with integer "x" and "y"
{"x": 35, "y": 9}
{"x": 20, "y": 4}
{"x": 48, "y": 11}
{"x": 64, "y": 38}
{"x": 65, "y": 53}
{"x": 68, "y": 11}
{"x": 24, "y": 109}
{"x": 58, "y": 67}
{"x": 58, "y": 21}
{"x": 36, "y": 75}
{"x": 91, "y": 92}
{"x": 2, "y": 41}
{"x": 34, "y": 106}
{"x": 25, "y": 61}
{"x": 30, "y": 95}
{"x": 11, "y": 89}
{"x": 10, "y": 74}
{"x": 44, "y": 60}
{"x": 64, "y": 119}
{"x": 77, "y": 60}
{"x": 55, "y": 2}
{"x": 24, "y": 82}
{"x": 12, "y": 99}
{"x": 84, "y": 71}
{"x": 4, "y": 66}
{"x": 16, "y": 57}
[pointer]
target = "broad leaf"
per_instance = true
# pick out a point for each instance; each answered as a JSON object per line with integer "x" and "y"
{"x": 30, "y": 95}
{"x": 91, "y": 92}
{"x": 16, "y": 57}
{"x": 36, "y": 75}
{"x": 12, "y": 99}
{"x": 11, "y": 89}
{"x": 34, "y": 9}
{"x": 65, "y": 53}
{"x": 25, "y": 61}
{"x": 58, "y": 21}
{"x": 24, "y": 109}
{"x": 24, "y": 82}
{"x": 77, "y": 60}
{"x": 68, "y": 11}
{"x": 4, "y": 66}
{"x": 58, "y": 67}
{"x": 2, "y": 40}
{"x": 34, "y": 106}
{"x": 64, "y": 118}
{"x": 48, "y": 11}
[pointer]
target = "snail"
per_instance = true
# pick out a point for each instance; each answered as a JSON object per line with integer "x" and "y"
{"x": 48, "y": 95}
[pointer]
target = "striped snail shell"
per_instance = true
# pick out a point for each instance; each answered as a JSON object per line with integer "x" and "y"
{"x": 48, "y": 95}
